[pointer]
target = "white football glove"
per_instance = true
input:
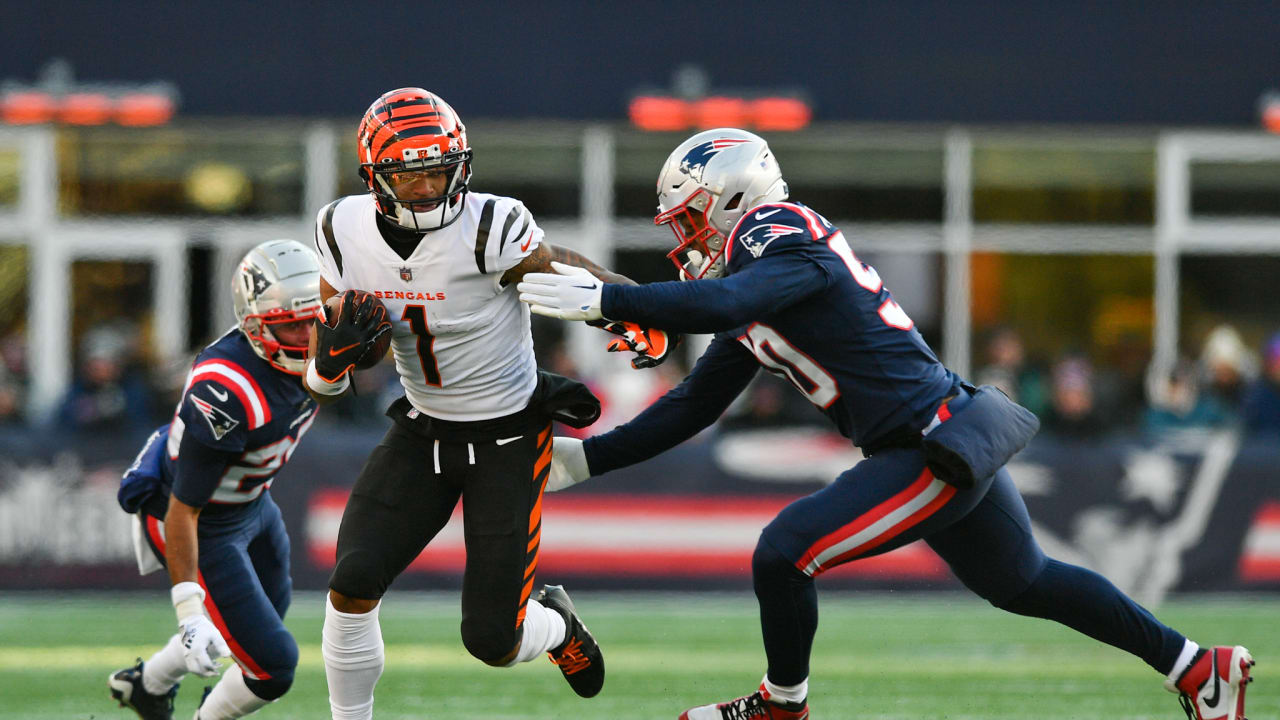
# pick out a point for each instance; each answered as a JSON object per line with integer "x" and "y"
{"x": 201, "y": 642}
{"x": 568, "y": 463}
{"x": 571, "y": 293}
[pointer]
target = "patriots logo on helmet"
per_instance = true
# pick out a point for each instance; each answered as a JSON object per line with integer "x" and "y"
{"x": 695, "y": 161}
{"x": 259, "y": 279}
{"x": 758, "y": 238}
{"x": 220, "y": 423}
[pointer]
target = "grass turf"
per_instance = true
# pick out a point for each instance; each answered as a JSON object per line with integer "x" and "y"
{"x": 876, "y": 656}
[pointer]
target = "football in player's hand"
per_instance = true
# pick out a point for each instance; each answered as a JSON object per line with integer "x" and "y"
{"x": 333, "y": 309}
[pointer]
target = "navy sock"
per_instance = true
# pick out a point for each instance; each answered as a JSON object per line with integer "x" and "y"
{"x": 788, "y": 614}
{"x": 1087, "y": 602}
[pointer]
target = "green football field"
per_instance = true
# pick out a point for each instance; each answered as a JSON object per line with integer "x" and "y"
{"x": 877, "y": 656}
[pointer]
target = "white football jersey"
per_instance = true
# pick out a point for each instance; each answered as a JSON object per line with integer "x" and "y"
{"x": 461, "y": 340}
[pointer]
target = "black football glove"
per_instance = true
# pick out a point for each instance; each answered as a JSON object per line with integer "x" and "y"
{"x": 651, "y": 345}
{"x": 361, "y": 321}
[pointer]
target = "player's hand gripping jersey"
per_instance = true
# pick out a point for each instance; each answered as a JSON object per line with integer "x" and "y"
{"x": 796, "y": 300}
{"x": 461, "y": 339}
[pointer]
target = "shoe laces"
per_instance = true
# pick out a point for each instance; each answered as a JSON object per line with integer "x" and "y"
{"x": 1188, "y": 706}
{"x": 750, "y": 707}
{"x": 571, "y": 659}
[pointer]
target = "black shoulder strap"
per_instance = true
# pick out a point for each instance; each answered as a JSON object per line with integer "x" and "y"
{"x": 482, "y": 232}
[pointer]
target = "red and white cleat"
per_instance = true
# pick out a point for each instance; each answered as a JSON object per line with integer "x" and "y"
{"x": 1213, "y": 687}
{"x": 749, "y": 707}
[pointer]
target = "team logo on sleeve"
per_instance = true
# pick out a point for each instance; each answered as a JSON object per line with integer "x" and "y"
{"x": 758, "y": 238}
{"x": 220, "y": 423}
{"x": 695, "y": 161}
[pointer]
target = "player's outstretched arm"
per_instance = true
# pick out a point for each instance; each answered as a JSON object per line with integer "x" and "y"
{"x": 651, "y": 345}
{"x": 539, "y": 261}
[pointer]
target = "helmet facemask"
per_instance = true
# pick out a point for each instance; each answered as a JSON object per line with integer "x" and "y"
{"x": 288, "y": 358}
{"x": 699, "y": 251}
{"x": 419, "y": 214}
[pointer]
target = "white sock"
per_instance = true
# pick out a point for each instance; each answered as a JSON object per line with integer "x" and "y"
{"x": 353, "y": 658}
{"x": 785, "y": 693}
{"x": 230, "y": 698}
{"x": 165, "y": 668}
{"x": 1189, "y": 650}
{"x": 544, "y": 629}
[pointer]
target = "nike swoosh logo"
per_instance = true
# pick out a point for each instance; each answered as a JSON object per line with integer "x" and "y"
{"x": 586, "y": 287}
{"x": 504, "y": 441}
{"x": 222, "y": 396}
{"x": 525, "y": 246}
{"x": 1212, "y": 702}
{"x": 335, "y": 352}
{"x": 762, "y": 215}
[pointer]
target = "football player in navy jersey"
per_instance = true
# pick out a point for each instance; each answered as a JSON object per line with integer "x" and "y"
{"x": 199, "y": 488}
{"x": 780, "y": 286}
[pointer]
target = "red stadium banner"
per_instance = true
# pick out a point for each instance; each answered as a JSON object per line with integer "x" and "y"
{"x": 632, "y": 535}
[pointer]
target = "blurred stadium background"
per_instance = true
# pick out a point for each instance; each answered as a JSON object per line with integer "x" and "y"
{"x": 1080, "y": 204}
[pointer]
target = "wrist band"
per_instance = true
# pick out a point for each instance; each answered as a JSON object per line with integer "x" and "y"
{"x": 322, "y": 386}
{"x": 188, "y": 599}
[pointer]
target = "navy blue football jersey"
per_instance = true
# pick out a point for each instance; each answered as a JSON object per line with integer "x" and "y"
{"x": 849, "y": 348}
{"x": 797, "y": 300}
{"x": 236, "y": 403}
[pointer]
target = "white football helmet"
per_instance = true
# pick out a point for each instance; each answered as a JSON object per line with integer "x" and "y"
{"x": 705, "y": 186}
{"x": 276, "y": 282}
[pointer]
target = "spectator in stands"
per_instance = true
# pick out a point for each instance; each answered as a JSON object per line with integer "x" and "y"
{"x": 1227, "y": 366}
{"x": 1262, "y": 400}
{"x": 11, "y": 398}
{"x": 770, "y": 402}
{"x": 1176, "y": 402}
{"x": 107, "y": 393}
{"x": 1008, "y": 370}
{"x": 1073, "y": 411}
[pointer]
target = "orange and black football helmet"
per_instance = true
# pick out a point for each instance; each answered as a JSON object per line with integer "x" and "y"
{"x": 409, "y": 131}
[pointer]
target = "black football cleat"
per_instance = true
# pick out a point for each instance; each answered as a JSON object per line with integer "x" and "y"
{"x": 579, "y": 657}
{"x": 127, "y": 689}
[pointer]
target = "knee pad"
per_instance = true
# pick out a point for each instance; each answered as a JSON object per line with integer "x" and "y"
{"x": 490, "y": 643}
{"x": 767, "y": 563}
{"x": 271, "y": 689}
{"x": 358, "y": 574}
{"x": 280, "y": 666}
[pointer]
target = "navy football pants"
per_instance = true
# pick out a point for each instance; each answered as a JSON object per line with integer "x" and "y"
{"x": 984, "y": 535}
{"x": 244, "y": 570}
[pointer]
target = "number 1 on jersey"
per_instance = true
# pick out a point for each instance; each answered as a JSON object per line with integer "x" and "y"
{"x": 416, "y": 315}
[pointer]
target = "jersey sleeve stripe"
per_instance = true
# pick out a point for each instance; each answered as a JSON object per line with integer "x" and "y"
{"x": 811, "y": 218}
{"x": 482, "y": 232}
{"x": 516, "y": 212}
{"x": 234, "y": 378}
{"x": 515, "y": 239}
{"x": 326, "y": 225}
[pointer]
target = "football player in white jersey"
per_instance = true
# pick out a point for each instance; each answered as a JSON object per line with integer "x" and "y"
{"x": 476, "y": 417}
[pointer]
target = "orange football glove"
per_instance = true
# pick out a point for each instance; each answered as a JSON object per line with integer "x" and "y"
{"x": 651, "y": 345}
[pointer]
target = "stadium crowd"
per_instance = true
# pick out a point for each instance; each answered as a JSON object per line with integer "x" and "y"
{"x": 116, "y": 393}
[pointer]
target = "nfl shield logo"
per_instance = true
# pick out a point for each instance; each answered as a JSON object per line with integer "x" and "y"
{"x": 406, "y": 274}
